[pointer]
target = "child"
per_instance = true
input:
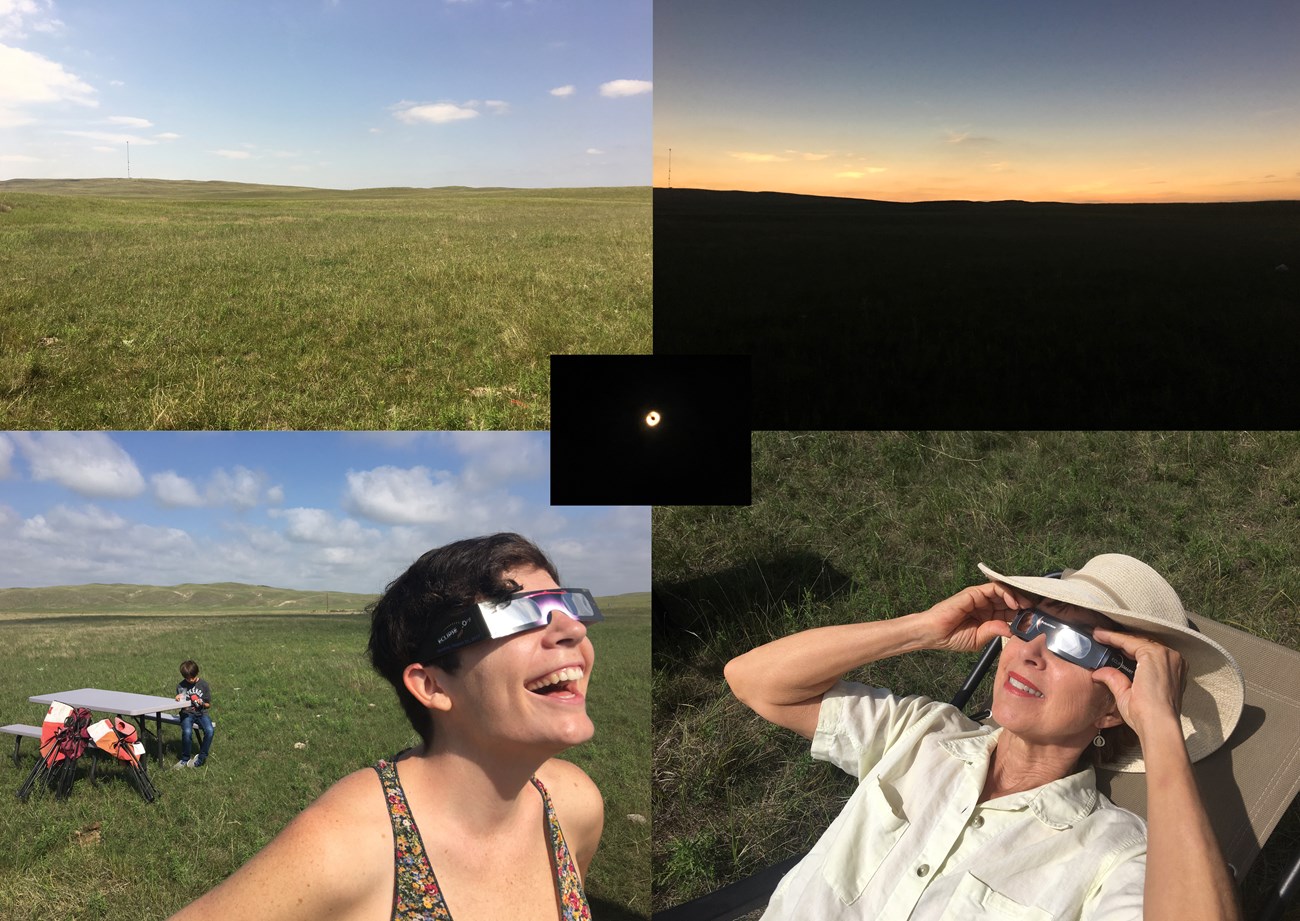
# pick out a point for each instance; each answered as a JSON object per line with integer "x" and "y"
{"x": 196, "y": 692}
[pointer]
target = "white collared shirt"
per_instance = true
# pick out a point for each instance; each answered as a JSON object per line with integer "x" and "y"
{"x": 914, "y": 842}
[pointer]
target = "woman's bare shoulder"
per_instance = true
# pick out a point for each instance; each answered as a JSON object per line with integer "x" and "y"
{"x": 326, "y": 862}
{"x": 565, "y": 781}
{"x": 578, "y": 805}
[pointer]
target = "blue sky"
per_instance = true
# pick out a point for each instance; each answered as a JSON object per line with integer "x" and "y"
{"x": 1107, "y": 100}
{"x": 329, "y": 93}
{"x": 318, "y": 510}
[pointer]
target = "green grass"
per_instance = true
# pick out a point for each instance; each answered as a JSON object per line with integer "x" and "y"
{"x": 104, "y": 854}
{"x": 215, "y": 306}
{"x": 853, "y": 526}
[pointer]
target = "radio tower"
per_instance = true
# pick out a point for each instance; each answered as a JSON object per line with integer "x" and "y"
{"x": 128, "y": 159}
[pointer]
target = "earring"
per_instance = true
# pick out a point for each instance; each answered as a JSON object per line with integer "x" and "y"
{"x": 1100, "y": 741}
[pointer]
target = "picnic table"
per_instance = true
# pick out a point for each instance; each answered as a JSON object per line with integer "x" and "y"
{"x": 120, "y": 703}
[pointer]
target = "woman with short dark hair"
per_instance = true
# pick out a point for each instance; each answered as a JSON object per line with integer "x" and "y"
{"x": 490, "y": 660}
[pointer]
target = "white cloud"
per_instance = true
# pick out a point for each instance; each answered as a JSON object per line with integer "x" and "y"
{"x": 242, "y": 488}
{"x": 965, "y": 138}
{"x": 749, "y": 157}
{"x": 6, "y": 456}
{"x": 616, "y": 88}
{"x": 172, "y": 489}
{"x": 858, "y": 174}
{"x": 394, "y": 495}
{"x": 61, "y": 518}
{"x": 129, "y": 121}
{"x": 317, "y": 526}
{"x": 594, "y": 151}
{"x": 567, "y": 90}
{"x": 498, "y": 457}
{"x": 167, "y": 136}
{"x": 497, "y": 106}
{"x": 18, "y": 158}
{"x": 234, "y": 154}
{"x": 438, "y": 113}
{"x": 14, "y": 16}
{"x": 107, "y": 137}
{"x": 89, "y": 463}
{"x": 27, "y": 79}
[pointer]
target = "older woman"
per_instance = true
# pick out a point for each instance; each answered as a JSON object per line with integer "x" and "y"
{"x": 956, "y": 820}
{"x": 490, "y": 660}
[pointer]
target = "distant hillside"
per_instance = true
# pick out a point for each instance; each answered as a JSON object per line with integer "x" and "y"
{"x": 219, "y": 596}
{"x": 192, "y": 190}
{"x": 216, "y": 597}
{"x": 147, "y": 188}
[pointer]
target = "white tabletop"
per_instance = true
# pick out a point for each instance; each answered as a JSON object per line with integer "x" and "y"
{"x": 120, "y": 702}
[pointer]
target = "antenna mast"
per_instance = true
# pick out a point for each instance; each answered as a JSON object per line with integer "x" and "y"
{"x": 670, "y": 167}
{"x": 128, "y": 159}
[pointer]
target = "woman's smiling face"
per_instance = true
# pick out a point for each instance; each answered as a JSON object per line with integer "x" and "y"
{"x": 529, "y": 688}
{"x": 1045, "y": 699}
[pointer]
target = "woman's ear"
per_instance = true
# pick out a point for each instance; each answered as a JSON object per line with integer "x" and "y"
{"x": 1110, "y": 713}
{"x": 1109, "y": 721}
{"x": 425, "y": 682}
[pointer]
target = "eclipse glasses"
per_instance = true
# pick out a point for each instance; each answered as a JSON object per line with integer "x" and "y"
{"x": 1072, "y": 643}
{"x": 521, "y": 611}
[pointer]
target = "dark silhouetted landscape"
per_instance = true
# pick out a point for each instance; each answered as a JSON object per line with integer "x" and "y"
{"x": 959, "y": 314}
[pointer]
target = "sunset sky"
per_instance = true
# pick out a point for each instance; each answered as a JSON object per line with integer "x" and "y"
{"x": 1162, "y": 100}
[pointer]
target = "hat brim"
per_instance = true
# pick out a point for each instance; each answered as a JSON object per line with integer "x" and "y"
{"x": 1215, "y": 693}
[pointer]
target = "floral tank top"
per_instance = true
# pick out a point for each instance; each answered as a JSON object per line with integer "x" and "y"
{"x": 416, "y": 896}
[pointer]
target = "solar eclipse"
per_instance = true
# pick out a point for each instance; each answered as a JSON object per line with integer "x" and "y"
{"x": 652, "y": 418}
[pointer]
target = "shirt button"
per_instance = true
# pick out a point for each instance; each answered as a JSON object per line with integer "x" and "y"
{"x": 977, "y": 822}
{"x": 923, "y": 870}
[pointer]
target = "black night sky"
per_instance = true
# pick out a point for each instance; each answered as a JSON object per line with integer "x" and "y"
{"x": 603, "y": 452}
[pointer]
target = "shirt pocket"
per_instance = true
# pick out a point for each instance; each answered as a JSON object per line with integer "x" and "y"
{"x": 869, "y": 832}
{"x": 974, "y": 899}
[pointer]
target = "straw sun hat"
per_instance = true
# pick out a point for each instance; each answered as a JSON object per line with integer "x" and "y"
{"x": 1139, "y": 600}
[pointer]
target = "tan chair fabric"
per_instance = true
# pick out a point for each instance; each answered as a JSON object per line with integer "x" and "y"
{"x": 1247, "y": 784}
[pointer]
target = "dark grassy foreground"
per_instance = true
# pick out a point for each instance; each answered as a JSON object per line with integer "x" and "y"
{"x": 104, "y": 855}
{"x": 985, "y": 314}
{"x": 860, "y": 526}
{"x": 151, "y": 304}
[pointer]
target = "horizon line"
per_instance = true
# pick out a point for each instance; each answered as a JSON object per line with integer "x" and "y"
{"x": 138, "y": 179}
{"x": 975, "y": 201}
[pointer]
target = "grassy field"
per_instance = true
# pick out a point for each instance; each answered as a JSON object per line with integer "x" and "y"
{"x": 973, "y": 315}
{"x": 859, "y": 526}
{"x": 147, "y": 304}
{"x": 104, "y": 854}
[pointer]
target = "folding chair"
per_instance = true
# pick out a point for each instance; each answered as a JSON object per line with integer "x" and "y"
{"x": 63, "y": 742}
{"x": 119, "y": 738}
{"x": 1247, "y": 785}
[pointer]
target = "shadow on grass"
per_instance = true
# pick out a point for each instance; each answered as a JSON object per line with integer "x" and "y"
{"x": 690, "y": 615}
{"x": 602, "y": 910}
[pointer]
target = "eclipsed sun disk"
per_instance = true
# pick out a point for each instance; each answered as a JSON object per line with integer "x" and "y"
{"x": 652, "y": 418}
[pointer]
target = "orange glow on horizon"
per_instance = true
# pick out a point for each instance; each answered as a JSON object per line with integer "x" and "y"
{"x": 994, "y": 181}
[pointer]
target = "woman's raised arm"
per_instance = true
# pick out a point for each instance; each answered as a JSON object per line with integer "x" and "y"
{"x": 1186, "y": 876}
{"x": 783, "y": 681}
